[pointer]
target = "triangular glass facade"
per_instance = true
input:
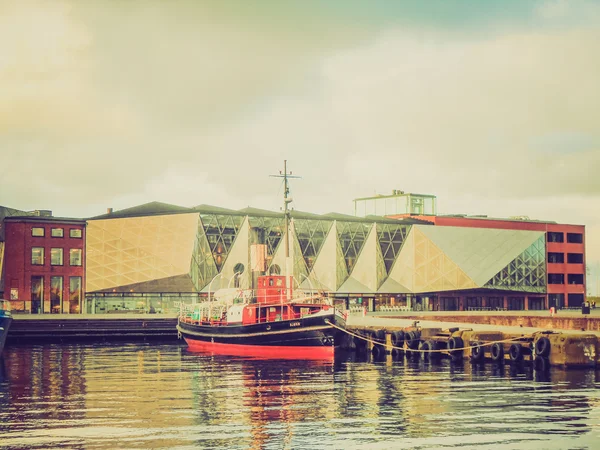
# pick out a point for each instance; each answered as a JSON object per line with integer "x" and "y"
{"x": 341, "y": 268}
{"x": 221, "y": 231}
{"x": 380, "y": 267}
{"x": 310, "y": 235}
{"x": 352, "y": 236}
{"x": 203, "y": 268}
{"x": 268, "y": 231}
{"x": 300, "y": 269}
{"x": 390, "y": 238}
{"x": 527, "y": 272}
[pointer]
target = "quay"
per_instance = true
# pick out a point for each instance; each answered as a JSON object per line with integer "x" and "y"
{"x": 505, "y": 336}
{"x": 96, "y": 327}
{"x": 431, "y": 336}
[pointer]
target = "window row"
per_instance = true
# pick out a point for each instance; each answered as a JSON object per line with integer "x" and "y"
{"x": 558, "y": 300}
{"x": 572, "y": 258}
{"x": 56, "y": 256}
{"x": 572, "y": 238}
{"x": 56, "y": 232}
{"x": 559, "y": 278}
{"x": 57, "y": 293}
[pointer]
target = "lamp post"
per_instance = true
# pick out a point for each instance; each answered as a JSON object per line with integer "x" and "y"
{"x": 311, "y": 285}
{"x": 209, "y": 286}
{"x": 229, "y": 284}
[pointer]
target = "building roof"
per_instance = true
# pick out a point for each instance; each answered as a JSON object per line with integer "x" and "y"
{"x": 485, "y": 217}
{"x": 250, "y": 211}
{"x": 211, "y": 209}
{"x": 147, "y": 209}
{"x": 38, "y": 219}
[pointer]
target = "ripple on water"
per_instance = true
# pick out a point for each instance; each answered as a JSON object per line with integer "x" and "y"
{"x": 162, "y": 396}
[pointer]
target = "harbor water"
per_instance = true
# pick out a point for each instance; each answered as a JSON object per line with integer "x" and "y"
{"x": 160, "y": 395}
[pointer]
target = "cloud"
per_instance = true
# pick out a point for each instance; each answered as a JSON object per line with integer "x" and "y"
{"x": 118, "y": 103}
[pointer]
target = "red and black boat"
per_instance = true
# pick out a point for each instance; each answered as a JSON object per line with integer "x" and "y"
{"x": 271, "y": 322}
{"x": 269, "y": 325}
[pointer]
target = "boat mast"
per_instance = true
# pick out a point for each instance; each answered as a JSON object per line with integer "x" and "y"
{"x": 288, "y": 264}
{"x": 286, "y": 212}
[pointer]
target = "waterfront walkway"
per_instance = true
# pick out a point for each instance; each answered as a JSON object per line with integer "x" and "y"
{"x": 406, "y": 319}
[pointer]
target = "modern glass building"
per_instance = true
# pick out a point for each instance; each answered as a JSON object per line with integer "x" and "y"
{"x": 153, "y": 256}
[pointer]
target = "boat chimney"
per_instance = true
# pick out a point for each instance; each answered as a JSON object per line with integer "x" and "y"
{"x": 109, "y": 210}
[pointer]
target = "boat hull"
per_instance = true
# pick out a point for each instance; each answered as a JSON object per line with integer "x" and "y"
{"x": 4, "y": 326}
{"x": 305, "y": 338}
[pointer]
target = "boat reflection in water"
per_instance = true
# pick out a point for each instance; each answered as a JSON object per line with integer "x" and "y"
{"x": 164, "y": 396}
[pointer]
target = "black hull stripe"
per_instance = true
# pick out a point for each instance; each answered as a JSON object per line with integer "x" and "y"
{"x": 189, "y": 331}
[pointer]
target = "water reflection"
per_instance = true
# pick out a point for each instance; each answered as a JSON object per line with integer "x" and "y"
{"x": 162, "y": 396}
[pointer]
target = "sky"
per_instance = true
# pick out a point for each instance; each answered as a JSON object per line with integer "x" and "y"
{"x": 494, "y": 106}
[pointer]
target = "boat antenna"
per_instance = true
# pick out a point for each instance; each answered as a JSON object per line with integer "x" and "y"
{"x": 287, "y": 215}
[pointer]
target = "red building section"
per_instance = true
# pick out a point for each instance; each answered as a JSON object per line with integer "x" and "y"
{"x": 565, "y": 253}
{"x": 44, "y": 264}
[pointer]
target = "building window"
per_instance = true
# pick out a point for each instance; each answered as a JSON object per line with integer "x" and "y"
{"x": 37, "y": 256}
{"x": 56, "y": 256}
{"x": 575, "y": 258}
{"x": 516, "y": 304}
{"x": 75, "y": 257}
{"x": 37, "y": 294}
{"x": 556, "y": 237}
{"x": 57, "y": 232}
{"x": 557, "y": 258}
{"x": 56, "y": 294}
{"x": 74, "y": 294}
{"x": 75, "y": 233}
{"x": 575, "y": 238}
{"x": 495, "y": 302}
{"x": 536, "y": 303}
{"x": 556, "y": 300}
{"x": 575, "y": 278}
{"x": 37, "y": 231}
{"x": 575, "y": 300}
{"x": 556, "y": 278}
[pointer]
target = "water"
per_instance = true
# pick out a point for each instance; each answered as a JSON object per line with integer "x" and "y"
{"x": 162, "y": 396}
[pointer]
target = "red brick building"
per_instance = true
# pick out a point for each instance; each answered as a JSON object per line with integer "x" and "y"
{"x": 565, "y": 252}
{"x": 44, "y": 264}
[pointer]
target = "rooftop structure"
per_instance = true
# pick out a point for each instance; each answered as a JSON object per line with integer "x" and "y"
{"x": 398, "y": 202}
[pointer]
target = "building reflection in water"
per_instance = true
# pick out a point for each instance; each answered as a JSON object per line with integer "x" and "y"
{"x": 45, "y": 375}
{"x": 148, "y": 396}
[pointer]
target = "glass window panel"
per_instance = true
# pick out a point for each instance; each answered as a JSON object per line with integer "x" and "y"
{"x": 56, "y": 256}
{"x": 37, "y": 231}
{"x": 37, "y": 294}
{"x": 37, "y": 256}
{"x": 75, "y": 257}
{"x": 57, "y": 232}
{"x": 74, "y": 294}
{"x": 56, "y": 294}
{"x": 75, "y": 233}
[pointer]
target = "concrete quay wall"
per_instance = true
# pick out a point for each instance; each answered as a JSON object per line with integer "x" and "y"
{"x": 429, "y": 339}
{"x": 75, "y": 328}
{"x": 546, "y": 322}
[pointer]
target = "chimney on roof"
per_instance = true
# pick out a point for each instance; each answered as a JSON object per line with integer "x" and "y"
{"x": 109, "y": 210}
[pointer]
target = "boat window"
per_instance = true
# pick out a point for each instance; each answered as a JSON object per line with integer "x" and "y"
{"x": 278, "y": 282}
{"x": 271, "y": 282}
